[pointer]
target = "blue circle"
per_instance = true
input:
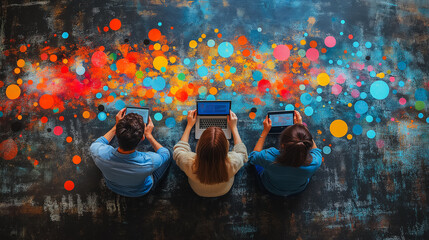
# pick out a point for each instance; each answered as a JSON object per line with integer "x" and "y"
{"x": 372, "y": 74}
{"x": 203, "y": 71}
{"x": 225, "y": 49}
{"x": 211, "y": 43}
{"x": 368, "y": 44}
{"x": 113, "y": 67}
{"x": 402, "y": 65}
{"x": 168, "y": 100}
{"x": 211, "y": 97}
{"x": 378, "y": 119}
{"x": 185, "y": 112}
{"x": 228, "y": 82}
{"x": 379, "y": 90}
{"x": 319, "y": 98}
{"x": 340, "y": 62}
{"x": 200, "y": 62}
{"x": 326, "y": 150}
{"x": 427, "y": 119}
{"x": 289, "y": 107}
{"x": 170, "y": 122}
{"x": 80, "y": 70}
{"x": 341, "y": 33}
{"x": 102, "y": 116}
{"x": 357, "y": 129}
{"x": 213, "y": 62}
{"x": 158, "y": 83}
{"x": 65, "y": 35}
{"x": 186, "y": 61}
{"x": 257, "y": 75}
{"x": 119, "y": 105}
{"x": 160, "y": 24}
{"x": 1, "y": 114}
{"x": 98, "y": 95}
{"x": 342, "y": 21}
{"x": 401, "y": 83}
{"x": 232, "y": 70}
{"x": 370, "y": 134}
{"x": 356, "y": 44}
{"x": 105, "y": 88}
{"x": 147, "y": 82}
{"x": 361, "y": 107}
{"x": 158, "y": 116}
{"x": 330, "y": 61}
{"x": 306, "y": 98}
{"x": 308, "y": 111}
{"x": 359, "y": 53}
{"x": 420, "y": 115}
{"x": 319, "y": 90}
{"x": 363, "y": 95}
{"x": 369, "y": 118}
{"x": 421, "y": 95}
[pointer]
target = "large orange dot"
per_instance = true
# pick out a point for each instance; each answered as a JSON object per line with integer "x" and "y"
{"x": 13, "y": 91}
{"x": 86, "y": 114}
{"x": 115, "y": 24}
{"x": 69, "y": 139}
{"x": 213, "y": 91}
{"x": 252, "y": 115}
{"x": 20, "y": 63}
{"x": 76, "y": 159}
{"x": 69, "y": 185}
{"x": 8, "y": 149}
{"x": 46, "y": 101}
{"x": 242, "y": 40}
{"x": 154, "y": 34}
{"x": 338, "y": 128}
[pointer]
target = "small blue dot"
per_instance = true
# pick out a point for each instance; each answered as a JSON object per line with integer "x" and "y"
{"x": 65, "y": 35}
{"x": 368, "y": 44}
{"x": 420, "y": 115}
{"x": 105, "y": 88}
{"x": 341, "y": 33}
{"x": 356, "y": 44}
{"x": 305, "y": 34}
{"x": 98, "y": 95}
{"x": 342, "y": 21}
{"x": 160, "y": 24}
{"x": 158, "y": 116}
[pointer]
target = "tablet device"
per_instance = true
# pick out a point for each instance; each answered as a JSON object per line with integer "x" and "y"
{"x": 142, "y": 111}
{"x": 280, "y": 120}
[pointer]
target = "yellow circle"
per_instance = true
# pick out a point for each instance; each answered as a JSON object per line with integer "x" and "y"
{"x": 302, "y": 42}
{"x": 13, "y": 91}
{"x": 349, "y": 136}
{"x": 350, "y": 104}
{"x": 35, "y": 104}
{"x": 20, "y": 63}
{"x": 19, "y": 81}
{"x": 338, "y": 128}
{"x": 86, "y": 114}
{"x": 203, "y": 35}
{"x": 323, "y": 79}
{"x": 65, "y": 61}
{"x": 17, "y": 70}
{"x": 380, "y": 75}
{"x": 193, "y": 44}
{"x": 157, "y": 46}
{"x": 172, "y": 59}
{"x": 273, "y": 45}
{"x": 213, "y": 91}
{"x": 160, "y": 62}
{"x": 216, "y": 30}
{"x": 200, "y": 39}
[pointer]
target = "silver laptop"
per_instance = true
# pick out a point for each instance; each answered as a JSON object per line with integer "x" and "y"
{"x": 212, "y": 114}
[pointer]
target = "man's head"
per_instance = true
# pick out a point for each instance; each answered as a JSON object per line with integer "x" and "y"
{"x": 129, "y": 131}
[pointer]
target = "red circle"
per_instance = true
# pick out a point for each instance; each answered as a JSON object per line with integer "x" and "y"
{"x": 69, "y": 185}
{"x": 115, "y": 24}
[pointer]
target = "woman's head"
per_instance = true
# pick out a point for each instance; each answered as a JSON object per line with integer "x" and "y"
{"x": 295, "y": 144}
{"x": 212, "y": 151}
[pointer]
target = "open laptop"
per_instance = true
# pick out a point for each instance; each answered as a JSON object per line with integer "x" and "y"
{"x": 212, "y": 114}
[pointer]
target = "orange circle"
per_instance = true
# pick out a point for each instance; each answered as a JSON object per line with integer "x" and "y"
{"x": 110, "y": 98}
{"x": 252, "y": 115}
{"x": 76, "y": 159}
{"x": 53, "y": 58}
{"x": 219, "y": 35}
{"x": 154, "y": 34}
{"x": 86, "y": 114}
{"x": 20, "y": 63}
{"x": 23, "y": 48}
{"x": 242, "y": 40}
{"x": 13, "y": 91}
{"x": 246, "y": 52}
{"x": 17, "y": 70}
{"x": 105, "y": 29}
{"x": 69, "y": 139}
{"x": 323, "y": 50}
{"x": 313, "y": 44}
{"x": 46, "y": 101}
{"x": 44, "y": 119}
{"x": 165, "y": 48}
{"x": 213, "y": 91}
{"x": 69, "y": 185}
{"x": 115, "y": 24}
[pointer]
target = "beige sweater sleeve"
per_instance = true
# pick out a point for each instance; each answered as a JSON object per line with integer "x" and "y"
{"x": 183, "y": 156}
{"x": 237, "y": 157}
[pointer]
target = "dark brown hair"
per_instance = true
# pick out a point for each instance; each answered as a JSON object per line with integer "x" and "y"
{"x": 212, "y": 152}
{"x": 129, "y": 131}
{"x": 295, "y": 144}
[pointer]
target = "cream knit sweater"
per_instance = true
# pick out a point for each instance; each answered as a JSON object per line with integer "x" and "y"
{"x": 185, "y": 159}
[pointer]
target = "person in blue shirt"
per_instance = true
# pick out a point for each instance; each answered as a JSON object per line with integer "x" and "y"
{"x": 126, "y": 171}
{"x": 287, "y": 170}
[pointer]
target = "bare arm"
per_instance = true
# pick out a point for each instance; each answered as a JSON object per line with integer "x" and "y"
{"x": 267, "y": 126}
{"x": 232, "y": 122}
{"x": 192, "y": 118}
{"x": 111, "y": 133}
{"x": 148, "y": 133}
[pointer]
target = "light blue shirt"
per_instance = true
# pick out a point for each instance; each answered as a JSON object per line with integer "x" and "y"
{"x": 284, "y": 180}
{"x": 129, "y": 175}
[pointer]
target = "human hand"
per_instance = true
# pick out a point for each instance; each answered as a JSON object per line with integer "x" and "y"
{"x": 297, "y": 118}
{"x": 192, "y": 118}
{"x": 267, "y": 124}
{"x": 149, "y": 127}
{"x": 120, "y": 115}
{"x": 232, "y": 120}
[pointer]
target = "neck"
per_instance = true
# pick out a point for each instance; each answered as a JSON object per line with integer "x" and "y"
{"x": 120, "y": 150}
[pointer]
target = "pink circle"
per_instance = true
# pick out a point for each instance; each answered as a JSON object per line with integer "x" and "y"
{"x": 336, "y": 89}
{"x": 392, "y": 79}
{"x": 380, "y": 143}
{"x": 281, "y": 52}
{"x": 340, "y": 79}
{"x": 330, "y": 41}
{"x": 392, "y": 119}
{"x": 358, "y": 84}
{"x": 58, "y": 130}
{"x": 312, "y": 54}
{"x": 355, "y": 93}
{"x": 370, "y": 68}
{"x": 357, "y": 115}
{"x": 402, "y": 101}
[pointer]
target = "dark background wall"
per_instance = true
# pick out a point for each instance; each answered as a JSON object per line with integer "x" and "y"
{"x": 67, "y": 67}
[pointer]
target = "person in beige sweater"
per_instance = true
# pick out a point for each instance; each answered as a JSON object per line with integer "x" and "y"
{"x": 211, "y": 170}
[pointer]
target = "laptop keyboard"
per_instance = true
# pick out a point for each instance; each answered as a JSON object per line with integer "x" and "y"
{"x": 213, "y": 122}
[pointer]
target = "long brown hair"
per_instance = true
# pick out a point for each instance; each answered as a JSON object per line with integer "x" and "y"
{"x": 212, "y": 152}
{"x": 295, "y": 144}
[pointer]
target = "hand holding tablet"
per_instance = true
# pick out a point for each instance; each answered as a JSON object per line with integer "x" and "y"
{"x": 281, "y": 120}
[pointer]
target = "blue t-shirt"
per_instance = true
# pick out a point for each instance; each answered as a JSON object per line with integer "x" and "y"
{"x": 284, "y": 180}
{"x": 129, "y": 175}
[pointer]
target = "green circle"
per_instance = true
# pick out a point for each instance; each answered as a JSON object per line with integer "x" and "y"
{"x": 181, "y": 76}
{"x": 419, "y": 105}
{"x": 139, "y": 74}
{"x": 113, "y": 56}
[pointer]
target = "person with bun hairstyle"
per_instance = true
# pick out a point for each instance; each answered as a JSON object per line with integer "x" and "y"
{"x": 287, "y": 170}
{"x": 212, "y": 168}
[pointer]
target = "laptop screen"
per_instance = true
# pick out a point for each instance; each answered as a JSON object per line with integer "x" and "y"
{"x": 283, "y": 119}
{"x": 213, "y": 107}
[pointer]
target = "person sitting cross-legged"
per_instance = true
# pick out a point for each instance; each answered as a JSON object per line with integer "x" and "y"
{"x": 129, "y": 172}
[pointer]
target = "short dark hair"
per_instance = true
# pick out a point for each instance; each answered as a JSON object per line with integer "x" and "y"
{"x": 129, "y": 131}
{"x": 295, "y": 144}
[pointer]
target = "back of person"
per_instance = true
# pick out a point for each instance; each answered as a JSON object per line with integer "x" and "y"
{"x": 286, "y": 171}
